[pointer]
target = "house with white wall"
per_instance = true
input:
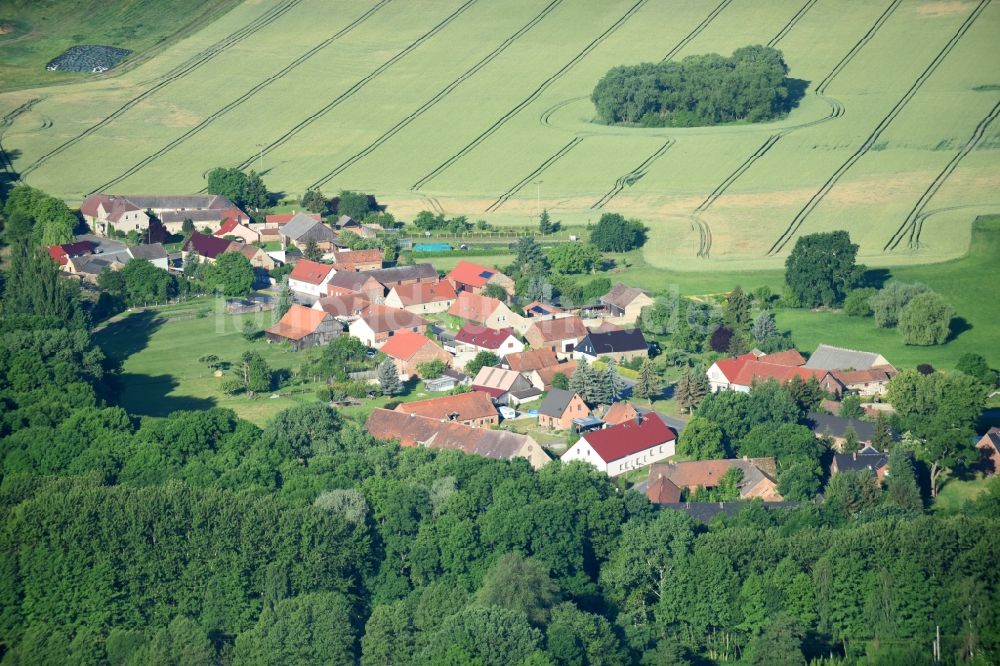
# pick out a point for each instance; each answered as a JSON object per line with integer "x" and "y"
{"x": 625, "y": 447}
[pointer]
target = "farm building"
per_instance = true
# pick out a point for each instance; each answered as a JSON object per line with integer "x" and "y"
{"x": 410, "y": 274}
{"x": 206, "y": 248}
{"x": 348, "y": 282}
{"x": 486, "y": 311}
{"x": 302, "y": 229}
{"x": 104, "y": 212}
{"x": 626, "y": 446}
{"x": 304, "y": 327}
{"x": 258, "y": 258}
{"x": 408, "y": 350}
{"x": 357, "y": 260}
{"x": 827, "y": 357}
{"x": 346, "y": 308}
{"x": 378, "y": 323}
{"x": 473, "y": 408}
{"x": 622, "y": 346}
{"x": 532, "y": 359}
{"x": 422, "y": 297}
{"x": 867, "y": 382}
{"x": 232, "y": 227}
{"x": 473, "y": 278}
{"x": 541, "y": 378}
{"x": 500, "y": 384}
{"x": 154, "y": 253}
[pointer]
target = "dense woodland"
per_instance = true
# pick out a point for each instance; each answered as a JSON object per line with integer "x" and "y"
{"x": 698, "y": 90}
{"x": 201, "y": 538}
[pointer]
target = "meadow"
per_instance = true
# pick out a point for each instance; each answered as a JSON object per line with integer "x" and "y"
{"x": 483, "y": 109}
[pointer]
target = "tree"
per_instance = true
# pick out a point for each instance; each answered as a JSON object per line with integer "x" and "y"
{"x": 581, "y": 380}
{"x": 431, "y": 369}
{"x": 764, "y": 329}
{"x": 975, "y": 366}
{"x": 310, "y": 628}
{"x": 255, "y": 192}
{"x": 187, "y": 227}
{"x": 851, "y": 443}
{"x": 284, "y": 300}
{"x": 230, "y": 183}
{"x": 903, "y": 489}
{"x": 312, "y": 251}
{"x": 850, "y": 407}
{"x": 560, "y": 381}
{"x": 852, "y": 492}
{"x": 530, "y": 260}
{"x": 520, "y": 584}
{"x": 721, "y": 339}
{"x": 648, "y": 384}
{"x": 883, "y": 436}
{"x": 926, "y": 320}
{"x": 231, "y": 273}
{"x": 145, "y": 283}
{"x": 887, "y": 305}
{"x": 576, "y": 637}
{"x": 613, "y": 233}
{"x": 738, "y": 309}
{"x": 481, "y": 360}
{"x": 181, "y": 643}
{"x": 354, "y": 205}
{"x": 858, "y": 302}
{"x": 690, "y": 391}
{"x": 491, "y": 636}
{"x": 545, "y": 226}
{"x": 250, "y": 332}
{"x": 32, "y": 212}
{"x": 613, "y": 381}
{"x": 314, "y": 201}
{"x": 780, "y": 644}
{"x": 35, "y": 286}
{"x": 254, "y": 373}
{"x": 701, "y": 440}
{"x": 495, "y": 291}
{"x": 821, "y": 269}
{"x": 807, "y": 394}
{"x": 573, "y": 258}
{"x": 388, "y": 378}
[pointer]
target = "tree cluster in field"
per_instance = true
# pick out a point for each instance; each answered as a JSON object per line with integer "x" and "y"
{"x": 920, "y": 315}
{"x": 246, "y": 190}
{"x": 698, "y": 90}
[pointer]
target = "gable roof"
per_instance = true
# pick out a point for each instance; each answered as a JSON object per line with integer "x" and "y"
{"x": 397, "y": 274}
{"x": 790, "y": 357}
{"x": 207, "y": 246}
{"x": 620, "y": 412}
{"x": 184, "y": 202}
{"x": 382, "y": 318}
{"x": 866, "y": 459}
{"x": 537, "y": 308}
{"x": 556, "y": 402}
{"x": 61, "y": 253}
{"x": 285, "y": 218}
{"x": 405, "y": 343}
{"x": 349, "y": 280}
{"x": 311, "y": 272}
{"x": 114, "y": 206}
{"x": 227, "y": 226}
{"x": 990, "y": 439}
{"x": 474, "y": 275}
{"x": 616, "y": 341}
{"x": 533, "y": 359}
{"x": 419, "y": 293}
{"x": 474, "y": 307}
{"x": 709, "y": 473}
{"x": 343, "y": 305}
{"x": 627, "y": 438}
{"x": 564, "y": 328}
{"x": 730, "y": 367}
{"x": 348, "y": 259}
{"x": 756, "y": 371}
{"x": 663, "y": 491}
{"x": 480, "y": 336}
{"x": 299, "y": 225}
{"x": 148, "y": 252}
{"x": 622, "y": 295}
{"x": 463, "y": 406}
{"x": 878, "y": 374}
{"x": 827, "y": 357}
{"x": 298, "y": 322}
{"x": 838, "y": 425}
{"x": 548, "y": 373}
{"x": 497, "y": 379}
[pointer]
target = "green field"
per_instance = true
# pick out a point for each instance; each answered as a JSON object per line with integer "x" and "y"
{"x": 481, "y": 108}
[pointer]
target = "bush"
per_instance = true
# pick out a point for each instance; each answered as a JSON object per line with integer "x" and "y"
{"x": 926, "y": 320}
{"x": 613, "y": 233}
{"x": 858, "y": 302}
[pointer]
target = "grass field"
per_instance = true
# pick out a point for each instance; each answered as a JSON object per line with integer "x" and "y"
{"x": 957, "y": 492}
{"x": 483, "y": 109}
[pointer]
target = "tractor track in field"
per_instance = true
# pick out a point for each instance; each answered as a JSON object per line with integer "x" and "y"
{"x": 258, "y": 87}
{"x": 552, "y": 159}
{"x": 173, "y": 75}
{"x": 791, "y": 23}
{"x": 830, "y": 182}
{"x": 865, "y": 38}
{"x": 502, "y": 120}
{"x": 697, "y": 30}
{"x": 913, "y": 224}
{"x": 628, "y": 179}
{"x": 5, "y": 122}
{"x": 358, "y": 85}
{"x": 441, "y": 94}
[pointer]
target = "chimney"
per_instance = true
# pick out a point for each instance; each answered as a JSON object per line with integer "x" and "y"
{"x": 638, "y": 418}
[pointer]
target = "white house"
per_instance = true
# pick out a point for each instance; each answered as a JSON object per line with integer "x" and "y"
{"x": 309, "y": 278}
{"x": 626, "y": 446}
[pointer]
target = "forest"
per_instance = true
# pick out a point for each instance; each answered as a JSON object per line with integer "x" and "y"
{"x": 711, "y": 89}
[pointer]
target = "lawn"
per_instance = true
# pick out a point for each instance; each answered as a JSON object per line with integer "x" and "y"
{"x": 957, "y": 492}
{"x": 968, "y": 284}
{"x": 481, "y": 109}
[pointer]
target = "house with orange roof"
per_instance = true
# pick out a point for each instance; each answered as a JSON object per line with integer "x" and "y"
{"x": 486, "y": 311}
{"x": 473, "y": 278}
{"x": 422, "y": 297}
{"x": 724, "y": 373}
{"x": 357, "y": 260}
{"x": 378, "y": 323}
{"x": 558, "y": 335}
{"x": 309, "y": 278}
{"x": 285, "y": 218}
{"x": 408, "y": 350}
{"x": 668, "y": 482}
{"x": 757, "y": 372}
{"x": 541, "y": 378}
{"x": 233, "y": 229}
{"x": 532, "y": 359}
{"x": 472, "y": 408}
{"x": 620, "y": 412}
{"x": 304, "y": 327}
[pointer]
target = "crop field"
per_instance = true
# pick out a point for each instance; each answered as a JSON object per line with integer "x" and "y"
{"x": 482, "y": 108}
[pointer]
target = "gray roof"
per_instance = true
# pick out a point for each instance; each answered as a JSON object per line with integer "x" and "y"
{"x": 404, "y": 273}
{"x": 556, "y": 402}
{"x": 837, "y": 426}
{"x": 836, "y": 358}
{"x": 299, "y": 225}
{"x": 868, "y": 458}
{"x": 150, "y": 252}
{"x": 349, "y": 280}
{"x": 705, "y": 511}
{"x": 187, "y": 202}
{"x": 206, "y": 215}
{"x": 621, "y": 295}
{"x": 93, "y": 264}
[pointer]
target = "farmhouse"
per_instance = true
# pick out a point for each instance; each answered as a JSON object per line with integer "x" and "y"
{"x": 474, "y": 339}
{"x": 408, "y": 350}
{"x": 667, "y": 481}
{"x": 356, "y": 283}
{"x": 413, "y": 430}
{"x": 560, "y": 408}
{"x": 542, "y": 378}
{"x": 206, "y": 248}
{"x": 399, "y": 275}
{"x": 526, "y": 361}
{"x": 357, "y": 260}
{"x": 378, "y": 323}
{"x": 104, "y": 212}
{"x": 258, "y": 258}
{"x": 304, "y": 327}
{"x": 827, "y": 357}
{"x": 473, "y": 408}
{"x": 558, "y": 335}
{"x": 212, "y": 218}
{"x": 308, "y": 279}
{"x": 345, "y": 308}
{"x": 620, "y": 412}
{"x": 500, "y": 384}
{"x": 234, "y": 229}
{"x": 626, "y": 446}
{"x": 867, "y": 459}
{"x": 988, "y": 448}
{"x": 422, "y": 297}
{"x": 626, "y": 303}
{"x": 867, "y": 382}
{"x": 301, "y": 229}
{"x": 485, "y": 311}
{"x": 61, "y": 254}
{"x": 473, "y": 278}
{"x": 741, "y": 372}
{"x": 622, "y": 346}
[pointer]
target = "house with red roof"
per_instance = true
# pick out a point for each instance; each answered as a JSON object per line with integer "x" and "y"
{"x": 232, "y": 228}
{"x": 285, "y": 218}
{"x": 422, "y": 297}
{"x": 408, "y": 350}
{"x": 379, "y": 323}
{"x": 207, "y": 248}
{"x": 309, "y": 278}
{"x": 757, "y": 372}
{"x": 725, "y": 374}
{"x": 473, "y": 338}
{"x": 473, "y": 408}
{"x": 61, "y": 254}
{"x": 304, "y": 327}
{"x": 473, "y": 278}
{"x": 625, "y": 447}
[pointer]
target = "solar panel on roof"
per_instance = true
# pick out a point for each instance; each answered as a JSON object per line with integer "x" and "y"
{"x": 486, "y": 274}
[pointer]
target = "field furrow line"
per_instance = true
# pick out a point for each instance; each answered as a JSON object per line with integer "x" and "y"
{"x": 865, "y": 38}
{"x": 740, "y": 170}
{"x": 500, "y": 122}
{"x": 697, "y": 30}
{"x": 358, "y": 85}
{"x": 914, "y": 221}
{"x": 6, "y": 121}
{"x": 175, "y": 74}
{"x": 816, "y": 198}
{"x": 791, "y": 23}
{"x": 555, "y": 157}
{"x": 218, "y": 113}
{"x": 441, "y": 94}
{"x": 632, "y": 176}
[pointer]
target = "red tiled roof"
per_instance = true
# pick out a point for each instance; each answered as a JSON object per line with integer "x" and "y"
{"x": 404, "y": 344}
{"x": 344, "y": 305}
{"x": 626, "y": 438}
{"x": 880, "y": 373}
{"x": 474, "y": 275}
{"x": 467, "y": 406}
{"x": 227, "y": 226}
{"x": 473, "y": 307}
{"x": 619, "y": 413}
{"x": 382, "y": 318}
{"x": 756, "y": 371}
{"x": 349, "y": 259}
{"x": 424, "y": 292}
{"x": 731, "y": 367}
{"x": 534, "y": 359}
{"x": 548, "y": 373}
{"x": 61, "y": 253}
{"x": 552, "y": 330}
{"x": 480, "y": 336}
{"x": 312, "y": 272}
{"x": 663, "y": 491}
{"x": 285, "y": 218}
{"x": 298, "y": 322}
{"x": 791, "y": 357}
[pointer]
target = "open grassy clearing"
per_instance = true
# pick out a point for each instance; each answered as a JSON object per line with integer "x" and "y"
{"x": 483, "y": 106}
{"x": 957, "y": 492}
